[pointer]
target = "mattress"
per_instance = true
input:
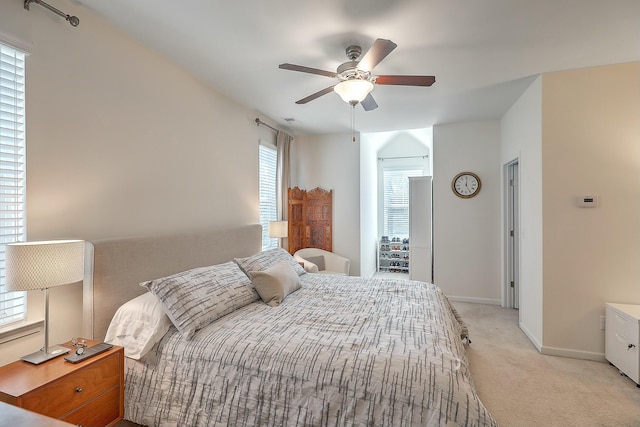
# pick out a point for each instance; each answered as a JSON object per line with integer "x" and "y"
{"x": 341, "y": 351}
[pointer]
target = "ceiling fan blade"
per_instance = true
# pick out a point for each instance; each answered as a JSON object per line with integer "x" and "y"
{"x": 369, "y": 103}
{"x": 310, "y": 70}
{"x": 406, "y": 80}
{"x": 315, "y": 95}
{"x": 380, "y": 49}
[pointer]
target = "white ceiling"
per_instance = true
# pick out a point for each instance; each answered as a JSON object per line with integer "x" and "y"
{"x": 484, "y": 53}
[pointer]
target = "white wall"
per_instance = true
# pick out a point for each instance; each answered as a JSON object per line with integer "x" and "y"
{"x": 121, "y": 142}
{"x": 575, "y": 138}
{"x": 368, "y": 203}
{"x": 590, "y": 146}
{"x": 521, "y": 132}
{"x": 332, "y": 162}
{"x": 467, "y": 231}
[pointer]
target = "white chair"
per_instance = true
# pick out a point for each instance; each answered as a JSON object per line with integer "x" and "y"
{"x": 316, "y": 260}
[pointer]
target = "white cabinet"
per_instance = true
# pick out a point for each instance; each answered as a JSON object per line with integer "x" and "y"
{"x": 622, "y": 338}
{"x": 420, "y": 228}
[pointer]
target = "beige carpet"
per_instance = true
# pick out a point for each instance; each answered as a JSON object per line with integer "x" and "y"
{"x": 523, "y": 388}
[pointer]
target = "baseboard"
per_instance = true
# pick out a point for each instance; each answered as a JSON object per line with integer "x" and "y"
{"x": 575, "y": 354}
{"x": 562, "y": 352}
{"x": 531, "y": 337}
{"x": 488, "y": 301}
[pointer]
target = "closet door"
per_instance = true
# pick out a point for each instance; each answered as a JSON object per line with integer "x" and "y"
{"x": 420, "y": 229}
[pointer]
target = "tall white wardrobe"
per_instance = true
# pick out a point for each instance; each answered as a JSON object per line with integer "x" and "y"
{"x": 420, "y": 229}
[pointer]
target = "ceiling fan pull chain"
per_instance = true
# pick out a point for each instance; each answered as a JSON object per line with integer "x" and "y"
{"x": 353, "y": 123}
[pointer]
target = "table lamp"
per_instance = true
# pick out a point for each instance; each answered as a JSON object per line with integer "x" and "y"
{"x": 43, "y": 265}
{"x": 278, "y": 229}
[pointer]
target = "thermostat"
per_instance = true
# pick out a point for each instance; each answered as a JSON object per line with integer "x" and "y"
{"x": 588, "y": 201}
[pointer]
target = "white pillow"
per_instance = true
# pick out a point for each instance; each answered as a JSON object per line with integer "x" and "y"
{"x": 138, "y": 325}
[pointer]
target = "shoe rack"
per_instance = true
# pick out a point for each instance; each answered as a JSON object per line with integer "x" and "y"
{"x": 393, "y": 255}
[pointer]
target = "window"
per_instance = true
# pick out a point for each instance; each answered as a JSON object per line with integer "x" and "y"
{"x": 396, "y": 201}
{"x": 268, "y": 208}
{"x": 12, "y": 172}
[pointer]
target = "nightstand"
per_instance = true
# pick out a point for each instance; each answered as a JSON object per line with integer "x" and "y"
{"x": 89, "y": 393}
{"x": 622, "y": 338}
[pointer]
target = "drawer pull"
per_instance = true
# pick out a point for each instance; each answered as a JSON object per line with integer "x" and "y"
{"x": 79, "y": 390}
{"x": 630, "y": 346}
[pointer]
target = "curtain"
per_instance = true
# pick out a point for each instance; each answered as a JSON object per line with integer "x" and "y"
{"x": 283, "y": 179}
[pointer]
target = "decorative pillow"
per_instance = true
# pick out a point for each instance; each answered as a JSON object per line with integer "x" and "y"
{"x": 265, "y": 259}
{"x": 276, "y": 282}
{"x": 138, "y": 325}
{"x": 193, "y": 299}
{"x": 317, "y": 260}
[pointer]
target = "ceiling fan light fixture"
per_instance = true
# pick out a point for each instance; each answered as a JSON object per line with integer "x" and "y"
{"x": 353, "y": 91}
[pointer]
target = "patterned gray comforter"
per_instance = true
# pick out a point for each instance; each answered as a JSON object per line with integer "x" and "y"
{"x": 342, "y": 351}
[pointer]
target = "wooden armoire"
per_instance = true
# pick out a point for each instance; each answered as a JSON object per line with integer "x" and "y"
{"x": 310, "y": 219}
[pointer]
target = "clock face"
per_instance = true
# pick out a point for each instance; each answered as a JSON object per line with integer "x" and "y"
{"x": 466, "y": 185}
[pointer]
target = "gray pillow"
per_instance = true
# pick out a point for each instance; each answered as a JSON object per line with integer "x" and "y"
{"x": 275, "y": 283}
{"x": 317, "y": 260}
{"x": 265, "y": 259}
{"x": 193, "y": 299}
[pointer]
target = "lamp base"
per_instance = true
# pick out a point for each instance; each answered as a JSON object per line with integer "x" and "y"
{"x": 42, "y": 356}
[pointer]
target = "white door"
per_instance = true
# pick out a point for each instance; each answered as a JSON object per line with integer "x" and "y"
{"x": 420, "y": 231}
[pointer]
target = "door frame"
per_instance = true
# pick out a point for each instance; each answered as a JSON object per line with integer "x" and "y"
{"x": 511, "y": 232}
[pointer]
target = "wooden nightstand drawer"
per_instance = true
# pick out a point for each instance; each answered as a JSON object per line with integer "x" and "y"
{"x": 98, "y": 412}
{"x": 62, "y": 396}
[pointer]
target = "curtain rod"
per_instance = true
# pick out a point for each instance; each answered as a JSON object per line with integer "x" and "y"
{"x": 405, "y": 157}
{"x": 260, "y": 122}
{"x": 73, "y": 20}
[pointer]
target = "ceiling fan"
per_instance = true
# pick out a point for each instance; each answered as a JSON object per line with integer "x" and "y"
{"x": 356, "y": 80}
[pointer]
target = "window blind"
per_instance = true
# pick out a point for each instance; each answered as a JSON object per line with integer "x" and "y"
{"x": 268, "y": 207}
{"x": 12, "y": 171}
{"x": 396, "y": 201}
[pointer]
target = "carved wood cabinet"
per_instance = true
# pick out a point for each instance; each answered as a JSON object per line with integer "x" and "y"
{"x": 310, "y": 219}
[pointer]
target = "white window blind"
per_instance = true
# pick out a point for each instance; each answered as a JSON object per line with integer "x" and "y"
{"x": 396, "y": 201}
{"x": 268, "y": 207}
{"x": 12, "y": 172}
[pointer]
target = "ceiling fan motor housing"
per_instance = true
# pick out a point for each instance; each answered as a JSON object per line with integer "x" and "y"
{"x": 348, "y": 68}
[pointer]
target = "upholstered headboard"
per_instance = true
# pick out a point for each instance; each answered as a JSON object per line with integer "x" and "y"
{"x": 114, "y": 268}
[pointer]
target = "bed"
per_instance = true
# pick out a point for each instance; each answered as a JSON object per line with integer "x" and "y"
{"x": 334, "y": 351}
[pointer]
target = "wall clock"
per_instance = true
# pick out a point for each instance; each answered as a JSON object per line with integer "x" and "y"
{"x": 466, "y": 185}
